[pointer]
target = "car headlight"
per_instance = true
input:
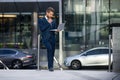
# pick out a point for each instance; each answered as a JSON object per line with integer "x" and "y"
{"x": 66, "y": 62}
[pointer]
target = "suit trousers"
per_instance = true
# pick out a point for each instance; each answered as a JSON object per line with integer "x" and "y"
{"x": 50, "y": 45}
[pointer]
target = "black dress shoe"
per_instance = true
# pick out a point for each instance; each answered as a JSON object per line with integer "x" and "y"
{"x": 51, "y": 69}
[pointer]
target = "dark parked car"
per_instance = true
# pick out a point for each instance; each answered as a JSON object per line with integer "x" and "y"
{"x": 15, "y": 59}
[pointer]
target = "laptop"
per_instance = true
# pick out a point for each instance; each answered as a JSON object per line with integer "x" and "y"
{"x": 60, "y": 27}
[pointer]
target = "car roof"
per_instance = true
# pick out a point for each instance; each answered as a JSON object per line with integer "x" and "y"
{"x": 99, "y": 48}
{"x": 94, "y": 49}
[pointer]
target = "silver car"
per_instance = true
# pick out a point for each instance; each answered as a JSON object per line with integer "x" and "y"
{"x": 93, "y": 57}
{"x": 15, "y": 59}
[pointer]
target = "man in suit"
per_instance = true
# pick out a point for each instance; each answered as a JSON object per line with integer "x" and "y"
{"x": 48, "y": 37}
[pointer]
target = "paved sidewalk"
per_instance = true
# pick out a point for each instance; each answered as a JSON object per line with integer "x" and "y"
{"x": 57, "y": 75}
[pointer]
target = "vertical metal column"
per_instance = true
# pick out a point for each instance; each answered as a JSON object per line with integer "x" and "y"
{"x": 109, "y": 66}
{"x": 109, "y": 58}
{"x": 84, "y": 22}
{"x": 60, "y": 34}
{"x": 35, "y": 30}
{"x": 38, "y": 55}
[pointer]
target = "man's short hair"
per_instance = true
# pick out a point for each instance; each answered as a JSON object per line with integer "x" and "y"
{"x": 50, "y": 9}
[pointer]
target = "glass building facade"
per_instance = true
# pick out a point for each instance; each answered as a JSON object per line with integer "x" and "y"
{"x": 17, "y": 24}
{"x": 15, "y": 31}
{"x": 87, "y": 22}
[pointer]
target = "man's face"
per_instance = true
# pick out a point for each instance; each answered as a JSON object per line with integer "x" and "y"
{"x": 50, "y": 14}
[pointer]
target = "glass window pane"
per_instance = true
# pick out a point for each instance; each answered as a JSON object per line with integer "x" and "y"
{"x": 8, "y": 52}
{"x": 104, "y": 51}
{"x": 94, "y": 52}
{"x": 2, "y": 52}
{"x": 15, "y": 32}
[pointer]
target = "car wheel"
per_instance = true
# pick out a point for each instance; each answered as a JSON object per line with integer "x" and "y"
{"x": 17, "y": 64}
{"x": 76, "y": 65}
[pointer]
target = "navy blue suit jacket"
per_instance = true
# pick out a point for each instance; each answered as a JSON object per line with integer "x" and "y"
{"x": 45, "y": 28}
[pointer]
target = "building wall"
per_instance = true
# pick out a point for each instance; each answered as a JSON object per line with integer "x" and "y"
{"x": 116, "y": 49}
{"x": 87, "y": 23}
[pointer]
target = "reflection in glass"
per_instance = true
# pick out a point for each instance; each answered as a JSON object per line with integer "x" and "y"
{"x": 15, "y": 31}
{"x": 88, "y": 23}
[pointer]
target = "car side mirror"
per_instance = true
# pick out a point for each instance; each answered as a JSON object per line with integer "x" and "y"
{"x": 84, "y": 55}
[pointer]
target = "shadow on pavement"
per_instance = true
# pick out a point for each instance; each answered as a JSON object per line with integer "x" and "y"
{"x": 95, "y": 68}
